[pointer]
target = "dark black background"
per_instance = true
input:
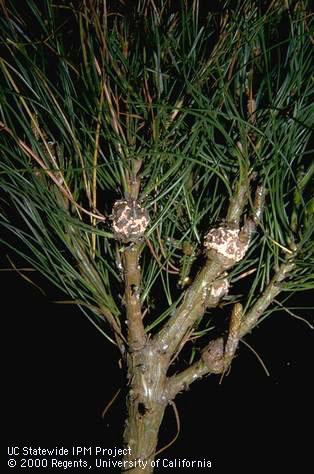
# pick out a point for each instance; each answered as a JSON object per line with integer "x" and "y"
{"x": 60, "y": 373}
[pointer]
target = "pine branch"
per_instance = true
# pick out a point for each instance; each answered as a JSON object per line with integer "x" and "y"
{"x": 265, "y": 300}
{"x": 131, "y": 265}
{"x": 220, "y": 242}
{"x": 132, "y": 280}
{"x": 217, "y": 356}
{"x": 210, "y": 362}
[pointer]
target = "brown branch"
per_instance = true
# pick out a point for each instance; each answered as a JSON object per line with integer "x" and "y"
{"x": 132, "y": 275}
{"x": 191, "y": 309}
{"x": 219, "y": 243}
{"x": 216, "y": 357}
{"x": 239, "y": 200}
{"x": 132, "y": 279}
{"x": 233, "y": 334}
{"x": 272, "y": 290}
{"x": 211, "y": 361}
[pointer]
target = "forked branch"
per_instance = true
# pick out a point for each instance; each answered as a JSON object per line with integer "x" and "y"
{"x": 225, "y": 246}
{"x": 217, "y": 356}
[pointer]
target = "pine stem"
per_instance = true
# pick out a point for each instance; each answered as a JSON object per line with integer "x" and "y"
{"x": 146, "y": 404}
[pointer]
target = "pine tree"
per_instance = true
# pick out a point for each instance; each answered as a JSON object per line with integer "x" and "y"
{"x": 154, "y": 153}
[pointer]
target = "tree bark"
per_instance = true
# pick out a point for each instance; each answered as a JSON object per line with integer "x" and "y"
{"x": 146, "y": 404}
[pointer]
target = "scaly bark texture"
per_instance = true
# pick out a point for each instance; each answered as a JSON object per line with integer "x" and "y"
{"x": 146, "y": 404}
{"x": 132, "y": 281}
